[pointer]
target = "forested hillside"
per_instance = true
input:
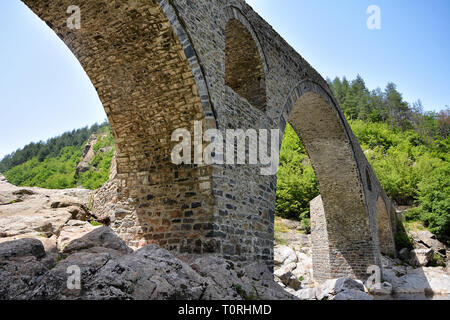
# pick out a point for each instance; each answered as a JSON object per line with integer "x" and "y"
{"x": 51, "y": 148}
{"x": 53, "y": 164}
{"x": 407, "y": 147}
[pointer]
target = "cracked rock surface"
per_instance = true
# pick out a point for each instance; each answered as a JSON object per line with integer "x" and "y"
{"x": 46, "y": 238}
{"x": 110, "y": 270}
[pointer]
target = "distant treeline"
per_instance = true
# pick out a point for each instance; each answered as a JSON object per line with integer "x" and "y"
{"x": 51, "y": 148}
{"x": 388, "y": 106}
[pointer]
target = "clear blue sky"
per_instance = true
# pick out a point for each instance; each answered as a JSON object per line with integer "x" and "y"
{"x": 44, "y": 91}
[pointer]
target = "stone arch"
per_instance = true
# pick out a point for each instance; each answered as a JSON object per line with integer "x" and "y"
{"x": 385, "y": 234}
{"x": 149, "y": 80}
{"x": 340, "y": 226}
{"x": 245, "y": 67}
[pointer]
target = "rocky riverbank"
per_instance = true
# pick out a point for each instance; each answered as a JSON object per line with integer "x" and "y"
{"x": 45, "y": 235}
{"x": 408, "y": 277}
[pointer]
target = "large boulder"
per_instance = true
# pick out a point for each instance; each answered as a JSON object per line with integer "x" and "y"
{"x": 291, "y": 268}
{"x": 50, "y": 247}
{"x": 21, "y": 267}
{"x": 285, "y": 272}
{"x": 39, "y": 222}
{"x": 152, "y": 273}
{"x": 306, "y": 294}
{"x": 22, "y": 248}
{"x": 228, "y": 281}
{"x": 54, "y": 283}
{"x": 420, "y": 281}
{"x": 71, "y": 231}
{"x": 284, "y": 255}
{"x": 427, "y": 240}
{"x": 352, "y": 295}
{"x": 304, "y": 269}
{"x": 100, "y": 237}
{"x": 224, "y": 281}
{"x": 420, "y": 257}
{"x": 260, "y": 278}
{"x": 438, "y": 280}
{"x": 347, "y": 286}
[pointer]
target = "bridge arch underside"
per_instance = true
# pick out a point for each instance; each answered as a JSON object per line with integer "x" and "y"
{"x": 144, "y": 75}
{"x": 340, "y": 227}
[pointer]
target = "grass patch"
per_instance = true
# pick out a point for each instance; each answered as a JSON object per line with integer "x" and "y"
{"x": 60, "y": 258}
{"x": 281, "y": 241}
{"x": 437, "y": 261}
{"x": 280, "y": 227}
{"x": 252, "y": 296}
{"x": 95, "y": 223}
{"x": 414, "y": 226}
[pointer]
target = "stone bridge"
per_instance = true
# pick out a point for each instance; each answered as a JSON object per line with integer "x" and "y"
{"x": 160, "y": 65}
